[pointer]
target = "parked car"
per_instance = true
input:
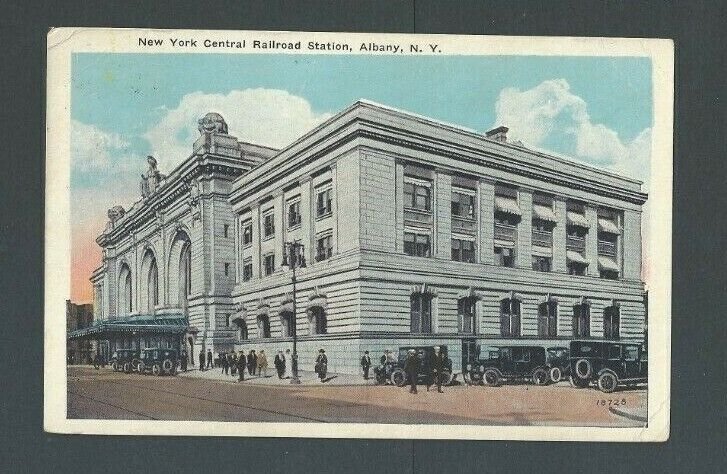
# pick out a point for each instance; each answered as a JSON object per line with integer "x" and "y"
{"x": 159, "y": 361}
{"x": 557, "y": 359}
{"x": 125, "y": 360}
{"x": 498, "y": 364}
{"x": 607, "y": 364}
{"x": 425, "y": 354}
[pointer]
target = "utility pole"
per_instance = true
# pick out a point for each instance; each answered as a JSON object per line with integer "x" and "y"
{"x": 293, "y": 257}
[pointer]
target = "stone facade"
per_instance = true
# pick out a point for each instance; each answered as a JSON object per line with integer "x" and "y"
{"x": 370, "y": 195}
{"x": 79, "y": 316}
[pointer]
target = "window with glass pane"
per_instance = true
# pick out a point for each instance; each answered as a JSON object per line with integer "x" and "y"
{"x": 417, "y": 245}
{"x": 575, "y": 268}
{"x": 510, "y": 317}
{"x": 541, "y": 264}
{"x": 247, "y": 234}
{"x": 463, "y": 205}
{"x": 463, "y": 250}
{"x": 505, "y": 257}
{"x": 548, "y": 319}
{"x": 611, "y": 322}
{"x": 269, "y": 224}
{"x": 421, "y": 313}
{"x": 247, "y": 269}
{"x": 324, "y": 248}
{"x": 417, "y": 196}
{"x": 294, "y": 217}
{"x": 581, "y": 320}
{"x": 269, "y": 261}
{"x": 466, "y": 312}
{"x": 263, "y": 326}
{"x": 324, "y": 203}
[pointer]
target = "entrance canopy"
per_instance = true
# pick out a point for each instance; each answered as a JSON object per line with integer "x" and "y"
{"x": 137, "y": 325}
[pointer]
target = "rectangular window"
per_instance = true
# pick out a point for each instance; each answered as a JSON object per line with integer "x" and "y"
{"x": 269, "y": 261}
{"x": 421, "y": 313}
{"x": 575, "y": 268}
{"x": 466, "y": 312}
{"x": 246, "y": 234}
{"x": 581, "y": 320}
{"x": 417, "y": 245}
{"x": 324, "y": 202}
{"x": 510, "y": 318}
{"x": 268, "y": 224}
{"x": 324, "y": 248}
{"x": 417, "y": 195}
{"x": 294, "y": 217}
{"x": 505, "y": 257}
{"x": 227, "y": 269}
{"x": 247, "y": 269}
{"x": 225, "y": 229}
{"x": 463, "y": 205}
{"x": 541, "y": 264}
{"x": 463, "y": 250}
{"x": 548, "y": 319}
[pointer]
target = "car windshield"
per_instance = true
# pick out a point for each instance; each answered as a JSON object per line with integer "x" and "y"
{"x": 558, "y": 352}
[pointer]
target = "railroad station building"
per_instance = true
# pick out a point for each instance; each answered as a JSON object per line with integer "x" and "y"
{"x": 413, "y": 232}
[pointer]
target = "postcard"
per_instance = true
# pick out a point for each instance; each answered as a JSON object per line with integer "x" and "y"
{"x": 308, "y": 234}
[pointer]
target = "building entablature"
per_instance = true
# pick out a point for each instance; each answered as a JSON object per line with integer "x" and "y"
{"x": 367, "y": 123}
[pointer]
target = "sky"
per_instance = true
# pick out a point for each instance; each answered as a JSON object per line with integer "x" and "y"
{"x": 126, "y": 106}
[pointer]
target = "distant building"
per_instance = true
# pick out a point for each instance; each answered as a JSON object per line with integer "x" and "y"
{"x": 78, "y": 316}
{"x": 416, "y": 232}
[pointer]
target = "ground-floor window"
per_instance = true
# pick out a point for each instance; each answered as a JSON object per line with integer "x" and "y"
{"x": 611, "y": 322}
{"x": 286, "y": 321}
{"x": 318, "y": 320}
{"x": 263, "y": 326}
{"x": 581, "y": 320}
{"x": 421, "y": 313}
{"x": 241, "y": 329}
{"x": 466, "y": 315}
{"x": 548, "y": 319}
{"x": 510, "y": 317}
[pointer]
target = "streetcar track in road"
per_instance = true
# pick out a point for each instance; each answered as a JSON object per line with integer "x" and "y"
{"x": 220, "y": 402}
{"x": 111, "y": 405}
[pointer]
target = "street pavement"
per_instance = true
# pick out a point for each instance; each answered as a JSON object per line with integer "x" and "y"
{"x": 104, "y": 394}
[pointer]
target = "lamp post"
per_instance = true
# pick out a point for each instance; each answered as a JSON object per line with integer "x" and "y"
{"x": 293, "y": 257}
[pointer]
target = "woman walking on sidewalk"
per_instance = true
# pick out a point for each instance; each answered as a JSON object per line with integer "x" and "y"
{"x": 262, "y": 364}
{"x": 321, "y": 365}
{"x": 241, "y": 361}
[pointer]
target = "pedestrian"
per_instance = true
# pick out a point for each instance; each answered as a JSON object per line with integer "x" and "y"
{"x": 209, "y": 358}
{"x": 241, "y": 361}
{"x": 251, "y": 362}
{"x": 183, "y": 361}
{"x": 201, "y": 359}
{"x": 95, "y": 361}
{"x": 262, "y": 363}
{"x": 411, "y": 367}
{"x": 233, "y": 364}
{"x": 321, "y": 364}
{"x": 288, "y": 364}
{"x": 279, "y": 363}
{"x": 437, "y": 366}
{"x": 366, "y": 364}
{"x": 230, "y": 363}
{"x": 223, "y": 363}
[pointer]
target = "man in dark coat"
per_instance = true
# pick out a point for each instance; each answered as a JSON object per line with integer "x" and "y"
{"x": 366, "y": 364}
{"x": 209, "y": 358}
{"x": 251, "y": 362}
{"x": 183, "y": 361}
{"x": 437, "y": 368}
{"x": 321, "y": 367}
{"x": 225, "y": 363}
{"x": 201, "y": 359}
{"x": 411, "y": 367}
{"x": 280, "y": 364}
{"x": 241, "y": 361}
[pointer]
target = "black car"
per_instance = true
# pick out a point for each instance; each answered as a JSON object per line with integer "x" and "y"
{"x": 498, "y": 364}
{"x": 557, "y": 359}
{"x": 608, "y": 364}
{"x": 159, "y": 361}
{"x": 125, "y": 360}
{"x": 425, "y": 354}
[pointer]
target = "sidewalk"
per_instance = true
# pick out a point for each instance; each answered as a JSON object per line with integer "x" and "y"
{"x": 306, "y": 378}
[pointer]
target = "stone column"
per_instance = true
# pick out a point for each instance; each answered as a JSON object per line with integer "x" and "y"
{"x": 399, "y": 188}
{"x": 592, "y": 241}
{"x": 307, "y": 217}
{"x": 524, "y": 255}
{"x": 631, "y": 239}
{"x": 279, "y": 219}
{"x": 334, "y": 207}
{"x": 256, "y": 237}
{"x": 559, "y": 236}
{"x": 442, "y": 206}
{"x": 486, "y": 222}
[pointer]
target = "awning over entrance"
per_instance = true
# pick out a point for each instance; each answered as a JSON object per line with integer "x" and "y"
{"x": 141, "y": 325}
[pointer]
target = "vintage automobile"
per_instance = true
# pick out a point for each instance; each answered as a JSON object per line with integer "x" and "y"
{"x": 608, "y": 364}
{"x": 125, "y": 360}
{"x": 557, "y": 359}
{"x": 425, "y": 353}
{"x": 498, "y": 364}
{"x": 159, "y": 361}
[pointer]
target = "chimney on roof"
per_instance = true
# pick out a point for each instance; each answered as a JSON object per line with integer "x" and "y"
{"x": 498, "y": 134}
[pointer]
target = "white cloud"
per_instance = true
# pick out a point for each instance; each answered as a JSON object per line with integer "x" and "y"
{"x": 550, "y": 113}
{"x": 91, "y": 148}
{"x": 264, "y": 116}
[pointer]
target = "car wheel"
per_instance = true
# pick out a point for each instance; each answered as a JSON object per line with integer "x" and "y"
{"x": 556, "y": 374}
{"x": 167, "y": 365}
{"x": 140, "y": 368}
{"x": 476, "y": 378}
{"x": 398, "y": 377}
{"x": 607, "y": 382}
{"x": 584, "y": 369}
{"x": 467, "y": 378}
{"x": 127, "y": 367}
{"x": 156, "y": 369}
{"x": 578, "y": 383}
{"x": 540, "y": 376}
{"x": 114, "y": 366}
{"x": 491, "y": 378}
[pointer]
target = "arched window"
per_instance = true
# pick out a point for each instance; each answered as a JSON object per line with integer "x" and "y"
{"x": 318, "y": 320}
{"x": 421, "y": 313}
{"x": 125, "y": 293}
{"x": 153, "y": 286}
{"x": 466, "y": 315}
{"x": 548, "y": 319}
{"x": 510, "y": 317}
{"x": 286, "y": 322}
{"x": 611, "y": 322}
{"x": 263, "y": 326}
{"x": 185, "y": 274}
{"x": 581, "y": 320}
{"x": 242, "y": 334}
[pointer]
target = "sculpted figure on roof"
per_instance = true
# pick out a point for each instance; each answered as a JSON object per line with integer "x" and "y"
{"x": 212, "y": 123}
